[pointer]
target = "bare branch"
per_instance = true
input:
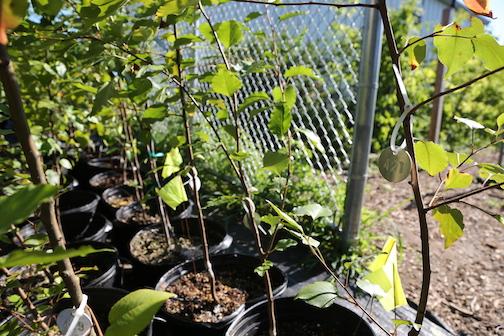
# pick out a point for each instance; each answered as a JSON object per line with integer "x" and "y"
{"x": 460, "y": 197}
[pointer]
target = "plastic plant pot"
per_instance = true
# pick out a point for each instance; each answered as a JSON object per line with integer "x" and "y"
{"x": 242, "y": 267}
{"x": 105, "y": 180}
{"x": 296, "y": 317}
{"x": 81, "y": 202}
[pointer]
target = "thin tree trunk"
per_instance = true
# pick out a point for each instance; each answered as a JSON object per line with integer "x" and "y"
{"x": 36, "y": 168}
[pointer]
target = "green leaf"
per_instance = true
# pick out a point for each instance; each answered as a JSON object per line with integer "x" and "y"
{"x": 451, "y": 224}
{"x": 230, "y": 32}
{"x": 86, "y": 88}
{"x": 383, "y": 280}
{"x": 489, "y": 51}
{"x": 173, "y": 193}
{"x": 458, "y": 180}
{"x": 493, "y": 172}
{"x": 455, "y": 159}
{"x": 103, "y": 96}
{"x": 226, "y": 83}
{"x": 28, "y": 257}
{"x": 231, "y": 130}
{"x": 131, "y": 314}
{"x": 499, "y": 218}
{"x": 281, "y": 116}
{"x": 276, "y": 162}
{"x": 290, "y": 15}
{"x": 154, "y": 113}
{"x": 416, "y": 52}
{"x": 252, "y": 16}
{"x": 454, "y": 48}
{"x": 313, "y": 138}
{"x": 289, "y": 221}
{"x": 172, "y": 163}
{"x": 320, "y": 294}
{"x": 315, "y": 211}
{"x": 13, "y": 13}
{"x": 19, "y": 206}
{"x": 261, "y": 270}
{"x": 47, "y": 7}
{"x": 272, "y": 221}
{"x": 239, "y": 156}
{"x": 252, "y": 99}
{"x": 65, "y": 163}
{"x": 500, "y": 121}
{"x": 300, "y": 70}
{"x": 284, "y": 244}
{"x": 431, "y": 157}
{"x": 175, "y": 7}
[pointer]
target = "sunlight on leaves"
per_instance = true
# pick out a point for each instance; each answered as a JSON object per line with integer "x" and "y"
{"x": 383, "y": 279}
{"x": 133, "y": 313}
{"x": 431, "y": 157}
{"x": 451, "y": 224}
{"x": 320, "y": 294}
{"x": 458, "y": 180}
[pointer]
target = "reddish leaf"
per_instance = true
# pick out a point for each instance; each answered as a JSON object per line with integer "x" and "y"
{"x": 480, "y": 7}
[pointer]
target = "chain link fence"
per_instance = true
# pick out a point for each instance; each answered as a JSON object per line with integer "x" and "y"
{"x": 322, "y": 38}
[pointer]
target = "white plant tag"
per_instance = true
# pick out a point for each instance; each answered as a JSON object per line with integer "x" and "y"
{"x": 65, "y": 318}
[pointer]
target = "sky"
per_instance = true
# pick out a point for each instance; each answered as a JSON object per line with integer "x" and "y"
{"x": 498, "y": 24}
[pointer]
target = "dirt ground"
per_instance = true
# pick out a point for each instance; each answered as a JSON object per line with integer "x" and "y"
{"x": 467, "y": 286}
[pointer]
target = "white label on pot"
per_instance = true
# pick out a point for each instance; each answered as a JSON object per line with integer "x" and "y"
{"x": 83, "y": 326}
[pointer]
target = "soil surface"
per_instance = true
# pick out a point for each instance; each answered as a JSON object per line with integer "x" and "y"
{"x": 107, "y": 181}
{"x": 143, "y": 218}
{"x": 151, "y": 248}
{"x": 194, "y": 299}
{"x": 118, "y": 201}
{"x": 467, "y": 286}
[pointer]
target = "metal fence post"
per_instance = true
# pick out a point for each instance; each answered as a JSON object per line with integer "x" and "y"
{"x": 363, "y": 130}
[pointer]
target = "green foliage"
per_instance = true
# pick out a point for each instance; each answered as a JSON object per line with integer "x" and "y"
{"x": 431, "y": 157}
{"x": 173, "y": 193}
{"x": 18, "y": 207}
{"x": 281, "y": 116}
{"x": 226, "y": 83}
{"x": 263, "y": 268}
{"x": 130, "y": 315}
{"x": 451, "y": 224}
{"x": 321, "y": 294}
{"x": 276, "y": 162}
{"x": 29, "y": 257}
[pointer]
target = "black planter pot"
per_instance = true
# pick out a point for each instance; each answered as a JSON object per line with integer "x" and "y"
{"x": 188, "y": 228}
{"x": 108, "y": 207}
{"x": 76, "y": 227}
{"x": 87, "y": 168}
{"x": 126, "y": 226}
{"x": 108, "y": 179}
{"x": 78, "y": 203}
{"x": 335, "y": 320}
{"x": 243, "y": 266}
{"x": 103, "y": 265}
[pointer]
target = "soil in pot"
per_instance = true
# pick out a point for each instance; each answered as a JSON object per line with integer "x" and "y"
{"x": 106, "y": 180}
{"x": 118, "y": 197}
{"x": 195, "y": 300}
{"x": 137, "y": 215}
{"x": 149, "y": 246}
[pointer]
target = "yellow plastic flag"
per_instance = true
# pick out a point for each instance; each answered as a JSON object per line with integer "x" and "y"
{"x": 383, "y": 280}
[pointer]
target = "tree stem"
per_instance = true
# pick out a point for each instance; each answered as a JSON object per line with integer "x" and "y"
{"x": 36, "y": 168}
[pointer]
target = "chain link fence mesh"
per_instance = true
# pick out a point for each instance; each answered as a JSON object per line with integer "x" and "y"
{"x": 322, "y": 38}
